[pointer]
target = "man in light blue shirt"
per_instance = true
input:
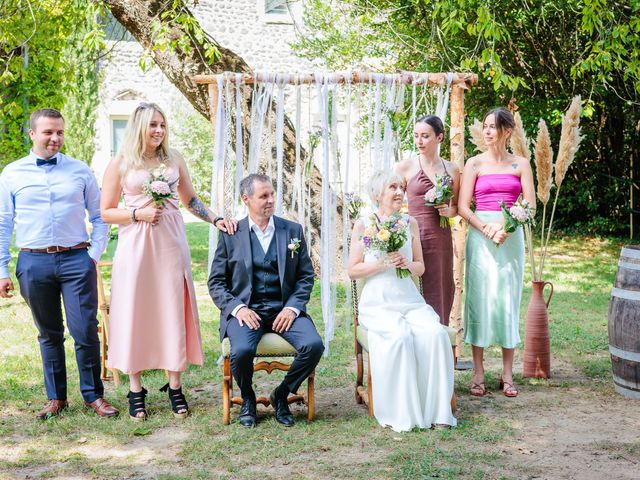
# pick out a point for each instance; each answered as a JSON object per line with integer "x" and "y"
{"x": 45, "y": 195}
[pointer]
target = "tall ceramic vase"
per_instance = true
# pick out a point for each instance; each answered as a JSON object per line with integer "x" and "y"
{"x": 537, "y": 351}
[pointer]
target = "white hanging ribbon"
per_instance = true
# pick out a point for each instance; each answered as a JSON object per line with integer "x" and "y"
{"x": 377, "y": 150}
{"x": 269, "y": 136}
{"x": 262, "y": 93}
{"x": 442, "y": 105}
{"x": 413, "y": 99}
{"x": 387, "y": 140}
{"x": 281, "y": 82}
{"x": 370, "y": 115}
{"x": 219, "y": 149}
{"x": 239, "y": 142}
{"x": 326, "y": 232}
{"x": 346, "y": 224}
{"x": 298, "y": 187}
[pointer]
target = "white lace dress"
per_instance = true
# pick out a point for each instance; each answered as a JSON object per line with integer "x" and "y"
{"x": 411, "y": 357}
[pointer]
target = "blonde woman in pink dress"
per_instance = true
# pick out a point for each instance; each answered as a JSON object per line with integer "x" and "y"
{"x": 154, "y": 317}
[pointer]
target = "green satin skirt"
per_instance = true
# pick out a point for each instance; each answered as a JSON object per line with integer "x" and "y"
{"x": 493, "y": 287}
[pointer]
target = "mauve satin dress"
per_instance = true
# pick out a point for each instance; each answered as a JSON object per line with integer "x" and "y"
{"x": 437, "y": 248}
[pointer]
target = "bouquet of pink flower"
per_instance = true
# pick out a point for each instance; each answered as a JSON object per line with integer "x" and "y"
{"x": 158, "y": 187}
{"x": 521, "y": 213}
{"x": 386, "y": 236}
{"x": 441, "y": 193}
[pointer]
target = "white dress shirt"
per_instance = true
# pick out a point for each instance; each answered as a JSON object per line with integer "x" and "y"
{"x": 264, "y": 237}
{"x": 48, "y": 205}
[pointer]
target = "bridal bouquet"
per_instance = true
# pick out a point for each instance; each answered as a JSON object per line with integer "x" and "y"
{"x": 441, "y": 193}
{"x": 521, "y": 213}
{"x": 158, "y": 187}
{"x": 386, "y": 236}
{"x": 354, "y": 204}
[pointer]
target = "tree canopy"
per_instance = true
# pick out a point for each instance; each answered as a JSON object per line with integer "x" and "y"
{"x": 535, "y": 55}
{"x": 48, "y": 52}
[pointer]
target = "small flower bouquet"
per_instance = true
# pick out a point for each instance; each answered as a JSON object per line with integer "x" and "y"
{"x": 386, "y": 236}
{"x": 158, "y": 188}
{"x": 354, "y": 204}
{"x": 521, "y": 213}
{"x": 441, "y": 193}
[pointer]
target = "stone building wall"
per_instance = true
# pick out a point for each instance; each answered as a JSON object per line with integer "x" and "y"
{"x": 240, "y": 25}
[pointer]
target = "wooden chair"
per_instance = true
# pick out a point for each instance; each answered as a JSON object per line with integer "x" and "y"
{"x": 361, "y": 341}
{"x": 271, "y": 346}
{"x": 103, "y": 326}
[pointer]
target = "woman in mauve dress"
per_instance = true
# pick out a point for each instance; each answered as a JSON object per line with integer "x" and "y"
{"x": 420, "y": 172}
{"x": 153, "y": 313}
{"x": 494, "y": 258}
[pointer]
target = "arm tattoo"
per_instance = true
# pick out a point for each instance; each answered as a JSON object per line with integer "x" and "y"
{"x": 515, "y": 166}
{"x": 199, "y": 209}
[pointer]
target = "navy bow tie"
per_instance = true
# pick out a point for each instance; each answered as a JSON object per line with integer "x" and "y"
{"x": 50, "y": 161}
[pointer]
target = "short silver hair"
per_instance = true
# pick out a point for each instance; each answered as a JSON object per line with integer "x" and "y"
{"x": 379, "y": 180}
{"x": 247, "y": 183}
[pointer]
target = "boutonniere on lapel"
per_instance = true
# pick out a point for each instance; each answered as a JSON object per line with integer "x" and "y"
{"x": 294, "y": 246}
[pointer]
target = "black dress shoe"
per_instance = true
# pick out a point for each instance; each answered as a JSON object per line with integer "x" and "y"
{"x": 281, "y": 406}
{"x": 248, "y": 415}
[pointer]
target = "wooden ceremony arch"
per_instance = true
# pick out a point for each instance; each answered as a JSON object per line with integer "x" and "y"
{"x": 459, "y": 83}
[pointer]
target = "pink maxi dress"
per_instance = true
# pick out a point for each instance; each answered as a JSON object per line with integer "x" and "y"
{"x": 154, "y": 316}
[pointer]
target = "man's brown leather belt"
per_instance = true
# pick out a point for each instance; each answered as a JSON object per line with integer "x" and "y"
{"x": 56, "y": 248}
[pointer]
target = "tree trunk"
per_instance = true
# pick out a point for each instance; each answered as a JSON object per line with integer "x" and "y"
{"x": 179, "y": 66}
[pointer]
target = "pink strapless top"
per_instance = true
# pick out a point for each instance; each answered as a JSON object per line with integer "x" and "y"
{"x": 491, "y": 189}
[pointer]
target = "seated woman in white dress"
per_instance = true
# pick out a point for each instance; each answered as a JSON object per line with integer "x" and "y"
{"x": 411, "y": 357}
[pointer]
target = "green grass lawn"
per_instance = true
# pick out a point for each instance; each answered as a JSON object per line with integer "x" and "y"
{"x": 342, "y": 443}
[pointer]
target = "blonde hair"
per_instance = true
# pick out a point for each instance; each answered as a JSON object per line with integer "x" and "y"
{"x": 135, "y": 135}
{"x": 379, "y": 180}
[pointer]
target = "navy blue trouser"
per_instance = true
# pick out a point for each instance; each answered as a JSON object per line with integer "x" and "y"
{"x": 244, "y": 341}
{"x": 43, "y": 278}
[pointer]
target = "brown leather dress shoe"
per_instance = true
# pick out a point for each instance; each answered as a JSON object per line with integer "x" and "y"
{"x": 102, "y": 408}
{"x": 52, "y": 409}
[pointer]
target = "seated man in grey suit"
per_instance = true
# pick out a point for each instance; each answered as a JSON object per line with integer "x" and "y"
{"x": 261, "y": 280}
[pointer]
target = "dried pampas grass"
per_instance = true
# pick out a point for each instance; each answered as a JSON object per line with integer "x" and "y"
{"x": 475, "y": 130}
{"x": 519, "y": 140}
{"x": 569, "y": 140}
{"x": 569, "y": 143}
{"x": 543, "y": 157}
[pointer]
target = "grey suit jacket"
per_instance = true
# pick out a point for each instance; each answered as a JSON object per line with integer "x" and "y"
{"x": 230, "y": 280}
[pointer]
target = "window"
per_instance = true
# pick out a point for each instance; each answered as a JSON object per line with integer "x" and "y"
{"x": 118, "y": 126}
{"x": 276, "y": 11}
{"x": 276, "y": 7}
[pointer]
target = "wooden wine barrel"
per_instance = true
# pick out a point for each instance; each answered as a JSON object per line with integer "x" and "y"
{"x": 624, "y": 324}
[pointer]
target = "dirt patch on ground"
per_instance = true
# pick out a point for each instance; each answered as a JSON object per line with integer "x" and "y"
{"x": 566, "y": 428}
{"x": 575, "y": 434}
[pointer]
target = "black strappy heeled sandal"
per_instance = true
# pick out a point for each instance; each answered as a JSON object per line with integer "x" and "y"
{"x": 178, "y": 402}
{"x": 137, "y": 406}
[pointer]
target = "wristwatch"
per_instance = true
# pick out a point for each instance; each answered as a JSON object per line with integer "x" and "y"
{"x": 216, "y": 220}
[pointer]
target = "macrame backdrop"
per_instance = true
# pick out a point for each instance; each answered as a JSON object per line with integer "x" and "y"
{"x": 347, "y": 123}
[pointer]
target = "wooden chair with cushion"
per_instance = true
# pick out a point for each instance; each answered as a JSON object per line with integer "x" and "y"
{"x": 103, "y": 326}
{"x": 361, "y": 340}
{"x": 271, "y": 346}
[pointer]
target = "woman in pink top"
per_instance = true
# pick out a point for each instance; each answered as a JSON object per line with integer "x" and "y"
{"x": 154, "y": 316}
{"x": 494, "y": 259}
